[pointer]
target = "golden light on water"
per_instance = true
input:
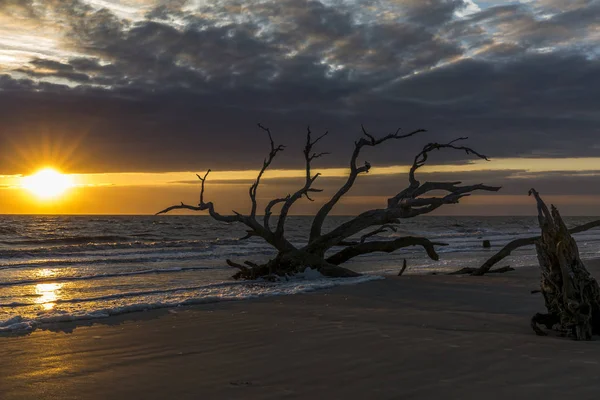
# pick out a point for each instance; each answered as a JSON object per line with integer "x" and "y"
{"x": 48, "y": 294}
{"x": 47, "y": 183}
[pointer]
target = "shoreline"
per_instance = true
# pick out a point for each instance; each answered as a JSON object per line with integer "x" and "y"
{"x": 54, "y": 322}
{"x": 415, "y": 336}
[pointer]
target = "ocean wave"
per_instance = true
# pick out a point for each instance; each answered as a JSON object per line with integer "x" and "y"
{"x": 91, "y": 248}
{"x": 103, "y": 276}
{"x": 7, "y": 230}
{"x": 134, "y": 258}
{"x": 67, "y": 240}
{"x": 125, "y": 294}
{"x": 62, "y": 248}
{"x": 19, "y": 324}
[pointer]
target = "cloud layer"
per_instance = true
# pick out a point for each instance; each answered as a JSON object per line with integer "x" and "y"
{"x": 179, "y": 85}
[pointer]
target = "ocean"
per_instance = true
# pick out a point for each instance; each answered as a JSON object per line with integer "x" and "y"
{"x": 66, "y": 268}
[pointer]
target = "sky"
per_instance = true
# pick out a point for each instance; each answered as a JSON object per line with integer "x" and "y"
{"x": 134, "y": 97}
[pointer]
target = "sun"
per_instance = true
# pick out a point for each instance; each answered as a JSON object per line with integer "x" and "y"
{"x": 47, "y": 183}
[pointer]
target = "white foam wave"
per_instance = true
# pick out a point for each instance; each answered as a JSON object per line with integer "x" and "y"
{"x": 249, "y": 290}
{"x": 124, "y": 295}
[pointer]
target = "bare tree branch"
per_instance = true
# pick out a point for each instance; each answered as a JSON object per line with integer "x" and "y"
{"x": 529, "y": 241}
{"x": 415, "y": 188}
{"x": 309, "y": 156}
{"x": 383, "y": 228}
{"x": 269, "y": 208}
{"x": 202, "y": 206}
{"x": 370, "y": 140}
{"x": 364, "y": 237}
{"x": 387, "y": 246}
{"x": 267, "y": 161}
{"x": 249, "y": 234}
{"x": 290, "y": 259}
{"x": 404, "y": 205}
{"x": 279, "y": 243}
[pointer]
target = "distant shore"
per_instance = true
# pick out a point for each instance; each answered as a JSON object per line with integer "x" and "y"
{"x": 409, "y": 337}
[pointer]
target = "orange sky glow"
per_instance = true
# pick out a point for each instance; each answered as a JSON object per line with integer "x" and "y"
{"x": 146, "y": 193}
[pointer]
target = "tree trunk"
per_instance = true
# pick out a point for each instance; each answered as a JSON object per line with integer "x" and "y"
{"x": 290, "y": 263}
{"x": 571, "y": 294}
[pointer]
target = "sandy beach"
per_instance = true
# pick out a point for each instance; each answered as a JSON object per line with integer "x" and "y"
{"x": 409, "y": 337}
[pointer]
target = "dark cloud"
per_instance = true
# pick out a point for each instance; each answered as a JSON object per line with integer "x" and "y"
{"x": 539, "y": 24}
{"x": 183, "y": 88}
{"x": 432, "y": 12}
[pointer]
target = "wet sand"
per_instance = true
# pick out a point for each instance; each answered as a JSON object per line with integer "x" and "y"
{"x": 412, "y": 337}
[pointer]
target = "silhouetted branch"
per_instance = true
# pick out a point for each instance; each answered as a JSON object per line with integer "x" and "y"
{"x": 269, "y": 208}
{"x": 383, "y": 228}
{"x": 370, "y": 140}
{"x": 202, "y": 206}
{"x": 529, "y": 241}
{"x": 405, "y": 204}
{"x": 267, "y": 161}
{"x": 415, "y": 189}
{"x": 290, "y": 259}
{"x": 386, "y": 246}
{"x": 249, "y": 234}
{"x": 309, "y": 156}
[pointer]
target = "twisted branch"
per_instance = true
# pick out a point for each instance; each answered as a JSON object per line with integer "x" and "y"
{"x": 309, "y": 156}
{"x": 267, "y": 161}
{"x": 383, "y": 228}
{"x": 202, "y": 206}
{"x": 279, "y": 242}
{"x": 370, "y": 140}
{"x": 408, "y": 203}
{"x": 269, "y": 208}
{"x": 518, "y": 243}
{"x": 387, "y": 246}
{"x": 405, "y": 204}
{"x": 415, "y": 189}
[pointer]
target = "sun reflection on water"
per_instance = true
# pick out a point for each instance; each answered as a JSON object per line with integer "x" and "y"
{"x": 46, "y": 272}
{"x": 48, "y": 294}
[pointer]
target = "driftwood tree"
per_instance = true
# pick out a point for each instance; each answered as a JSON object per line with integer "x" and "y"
{"x": 571, "y": 294}
{"x": 410, "y": 202}
{"x": 507, "y": 250}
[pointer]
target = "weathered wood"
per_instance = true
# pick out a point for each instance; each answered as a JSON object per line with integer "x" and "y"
{"x": 290, "y": 259}
{"x": 387, "y": 246}
{"x": 517, "y": 243}
{"x": 571, "y": 294}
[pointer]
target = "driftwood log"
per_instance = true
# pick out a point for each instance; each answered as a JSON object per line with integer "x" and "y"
{"x": 571, "y": 294}
{"x": 326, "y": 251}
{"x": 486, "y": 267}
